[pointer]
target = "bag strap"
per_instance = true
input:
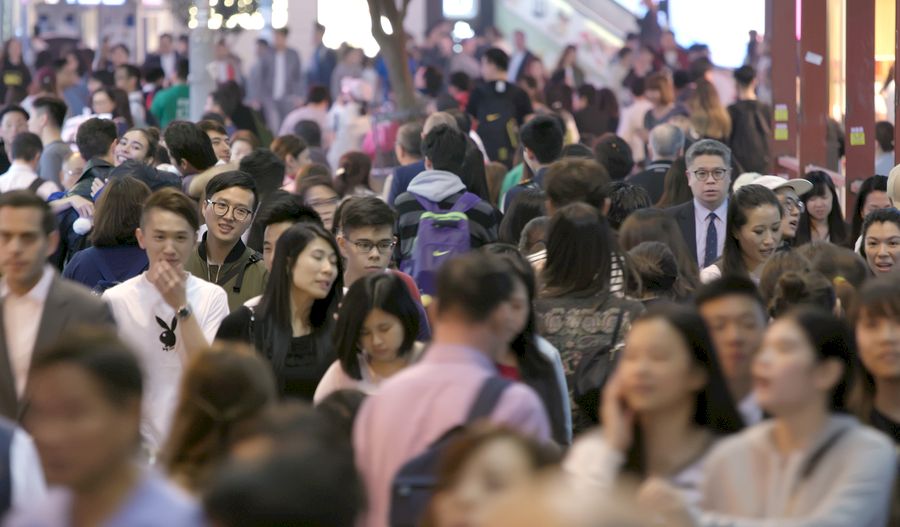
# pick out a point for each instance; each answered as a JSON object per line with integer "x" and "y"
{"x": 488, "y": 397}
{"x": 7, "y": 431}
{"x": 239, "y": 272}
{"x": 615, "y": 335}
{"x": 36, "y": 184}
{"x": 465, "y": 202}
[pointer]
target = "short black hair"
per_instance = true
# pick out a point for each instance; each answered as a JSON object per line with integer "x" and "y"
{"x": 309, "y": 131}
{"x": 182, "y": 69}
{"x": 445, "y": 147}
{"x": 25, "y": 199}
{"x": 745, "y": 75}
{"x": 614, "y": 153}
{"x": 498, "y": 58}
{"x": 368, "y": 211}
{"x": 543, "y": 136}
{"x": 460, "y": 80}
{"x": 13, "y": 108}
{"x": 121, "y": 46}
{"x": 215, "y": 117}
{"x": 729, "y": 285}
{"x": 474, "y": 285}
{"x": 625, "y": 198}
{"x": 681, "y": 78}
{"x": 282, "y": 206}
{"x": 186, "y": 141}
{"x": 103, "y": 355}
{"x": 174, "y": 201}
{"x": 26, "y": 146}
{"x": 132, "y": 71}
{"x": 576, "y": 151}
{"x": 95, "y": 136}
{"x": 231, "y": 179}
{"x": 54, "y": 107}
{"x": 209, "y": 125}
{"x": 317, "y": 94}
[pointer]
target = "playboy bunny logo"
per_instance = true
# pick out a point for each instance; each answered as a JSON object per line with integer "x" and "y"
{"x": 167, "y": 337}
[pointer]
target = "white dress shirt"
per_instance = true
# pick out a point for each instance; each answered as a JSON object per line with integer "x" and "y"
{"x": 701, "y": 223}
{"x": 21, "y": 319}
{"x": 515, "y": 62}
{"x": 278, "y": 89}
{"x": 20, "y": 176}
{"x": 28, "y": 485}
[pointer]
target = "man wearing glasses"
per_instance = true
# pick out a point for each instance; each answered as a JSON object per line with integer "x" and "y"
{"x": 703, "y": 220}
{"x": 221, "y": 257}
{"x": 366, "y": 239}
{"x": 788, "y": 192}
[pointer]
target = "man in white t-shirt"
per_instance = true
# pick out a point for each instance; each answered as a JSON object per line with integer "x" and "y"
{"x": 22, "y": 174}
{"x": 166, "y": 314}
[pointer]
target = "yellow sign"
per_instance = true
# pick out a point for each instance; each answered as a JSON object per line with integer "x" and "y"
{"x": 857, "y": 136}
{"x": 781, "y": 112}
{"x": 781, "y": 132}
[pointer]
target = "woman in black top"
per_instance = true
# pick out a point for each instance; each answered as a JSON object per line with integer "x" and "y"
{"x": 293, "y": 323}
{"x": 14, "y": 74}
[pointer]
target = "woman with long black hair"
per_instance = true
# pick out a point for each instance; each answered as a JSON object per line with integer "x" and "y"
{"x": 292, "y": 325}
{"x": 822, "y": 220}
{"x": 663, "y": 410}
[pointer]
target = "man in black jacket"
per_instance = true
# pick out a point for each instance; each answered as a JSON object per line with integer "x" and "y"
{"x": 666, "y": 144}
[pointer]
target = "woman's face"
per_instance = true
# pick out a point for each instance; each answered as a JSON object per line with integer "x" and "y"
{"x": 381, "y": 336}
{"x": 491, "y": 472}
{"x": 239, "y": 149}
{"x": 324, "y": 201}
{"x": 786, "y": 376}
{"x": 132, "y": 145}
{"x": 882, "y": 247}
{"x": 101, "y": 103}
{"x": 878, "y": 342}
{"x": 761, "y": 234}
{"x": 657, "y": 369}
{"x": 292, "y": 164}
{"x": 819, "y": 207}
{"x": 315, "y": 269}
{"x": 79, "y": 433}
{"x": 876, "y": 200}
{"x": 654, "y": 96}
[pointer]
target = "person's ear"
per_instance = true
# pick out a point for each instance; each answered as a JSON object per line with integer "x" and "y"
{"x": 139, "y": 234}
{"x": 607, "y": 204}
{"x": 342, "y": 244}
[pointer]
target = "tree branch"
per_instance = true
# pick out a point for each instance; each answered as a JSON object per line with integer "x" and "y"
{"x": 375, "y": 14}
{"x": 404, "y": 9}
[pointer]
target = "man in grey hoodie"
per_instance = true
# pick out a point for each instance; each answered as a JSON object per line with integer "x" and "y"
{"x": 444, "y": 149}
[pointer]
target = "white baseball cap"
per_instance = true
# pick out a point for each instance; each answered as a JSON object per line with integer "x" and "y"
{"x": 773, "y": 183}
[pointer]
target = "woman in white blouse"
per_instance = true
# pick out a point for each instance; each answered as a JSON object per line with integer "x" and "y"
{"x": 663, "y": 410}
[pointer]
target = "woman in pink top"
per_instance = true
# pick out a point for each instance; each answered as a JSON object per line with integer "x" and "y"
{"x": 375, "y": 335}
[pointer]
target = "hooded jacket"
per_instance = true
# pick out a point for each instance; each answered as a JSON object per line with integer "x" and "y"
{"x": 443, "y": 188}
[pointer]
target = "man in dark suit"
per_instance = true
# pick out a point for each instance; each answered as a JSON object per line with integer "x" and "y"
{"x": 666, "y": 144}
{"x": 282, "y": 82}
{"x": 166, "y": 58}
{"x": 37, "y": 305}
{"x": 520, "y": 59}
{"x": 703, "y": 219}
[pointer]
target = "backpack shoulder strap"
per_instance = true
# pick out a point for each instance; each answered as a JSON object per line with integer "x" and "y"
{"x": 36, "y": 184}
{"x": 239, "y": 271}
{"x": 488, "y": 397}
{"x": 426, "y": 203}
{"x": 7, "y": 431}
{"x": 465, "y": 202}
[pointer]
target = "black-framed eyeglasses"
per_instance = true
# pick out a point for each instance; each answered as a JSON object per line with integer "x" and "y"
{"x": 221, "y": 208}
{"x": 365, "y": 246}
{"x": 717, "y": 174}
{"x": 793, "y": 204}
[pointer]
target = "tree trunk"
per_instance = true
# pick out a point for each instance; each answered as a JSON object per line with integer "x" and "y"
{"x": 393, "y": 51}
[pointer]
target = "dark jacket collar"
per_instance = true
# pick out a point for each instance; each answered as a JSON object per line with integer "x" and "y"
{"x": 236, "y": 252}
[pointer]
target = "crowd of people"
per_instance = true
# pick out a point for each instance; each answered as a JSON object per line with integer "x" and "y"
{"x": 566, "y": 305}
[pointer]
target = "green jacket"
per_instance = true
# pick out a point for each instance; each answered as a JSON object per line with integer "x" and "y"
{"x": 171, "y": 104}
{"x": 242, "y": 276}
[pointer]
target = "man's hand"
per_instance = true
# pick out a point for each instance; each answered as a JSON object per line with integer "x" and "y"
{"x": 84, "y": 207}
{"x": 170, "y": 282}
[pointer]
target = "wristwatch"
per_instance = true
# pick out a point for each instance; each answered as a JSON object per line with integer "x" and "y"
{"x": 183, "y": 312}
